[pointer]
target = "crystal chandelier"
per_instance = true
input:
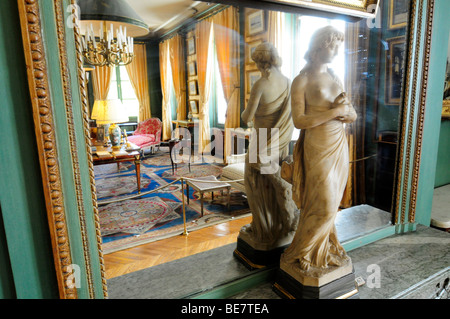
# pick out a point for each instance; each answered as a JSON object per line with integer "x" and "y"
{"x": 109, "y": 28}
{"x": 107, "y": 50}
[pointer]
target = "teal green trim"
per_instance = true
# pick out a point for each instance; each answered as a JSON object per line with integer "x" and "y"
{"x": 369, "y": 238}
{"x": 237, "y": 286}
{"x": 411, "y": 129}
{"x": 79, "y": 244}
{"x": 24, "y": 215}
{"x": 91, "y": 232}
{"x": 438, "y": 55}
{"x": 405, "y": 228}
{"x": 443, "y": 158}
{"x": 63, "y": 140}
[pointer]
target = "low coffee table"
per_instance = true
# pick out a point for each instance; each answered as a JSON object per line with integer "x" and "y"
{"x": 108, "y": 155}
{"x": 207, "y": 186}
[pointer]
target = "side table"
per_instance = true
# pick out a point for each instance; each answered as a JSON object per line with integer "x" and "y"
{"x": 207, "y": 186}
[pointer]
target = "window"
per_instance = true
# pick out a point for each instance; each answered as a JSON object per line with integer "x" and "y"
{"x": 297, "y": 34}
{"x": 218, "y": 103}
{"x": 122, "y": 89}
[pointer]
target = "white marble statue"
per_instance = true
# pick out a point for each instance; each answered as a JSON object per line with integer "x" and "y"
{"x": 319, "y": 171}
{"x": 274, "y": 214}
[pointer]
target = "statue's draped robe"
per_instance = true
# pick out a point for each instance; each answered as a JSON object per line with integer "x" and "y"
{"x": 269, "y": 196}
{"x": 319, "y": 177}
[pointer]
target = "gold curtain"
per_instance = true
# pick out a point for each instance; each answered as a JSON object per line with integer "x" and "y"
{"x": 178, "y": 73}
{"x": 275, "y": 30}
{"x": 165, "y": 88}
{"x": 226, "y": 34}
{"x": 204, "y": 71}
{"x": 101, "y": 79}
{"x": 137, "y": 72}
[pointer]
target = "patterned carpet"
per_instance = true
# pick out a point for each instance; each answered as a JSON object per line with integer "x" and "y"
{"x": 157, "y": 215}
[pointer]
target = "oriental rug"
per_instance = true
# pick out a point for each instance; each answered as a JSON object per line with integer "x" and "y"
{"x": 127, "y": 221}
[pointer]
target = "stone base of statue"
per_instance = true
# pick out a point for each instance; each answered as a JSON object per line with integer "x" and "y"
{"x": 256, "y": 254}
{"x": 255, "y": 258}
{"x": 332, "y": 283}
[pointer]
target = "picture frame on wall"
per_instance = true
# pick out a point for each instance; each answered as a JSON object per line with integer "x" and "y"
{"x": 192, "y": 68}
{"x": 193, "y": 106}
{"x": 191, "y": 46}
{"x": 250, "y": 47}
{"x": 192, "y": 88}
{"x": 395, "y": 61}
{"x": 252, "y": 77}
{"x": 255, "y": 22}
{"x": 398, "y": 13}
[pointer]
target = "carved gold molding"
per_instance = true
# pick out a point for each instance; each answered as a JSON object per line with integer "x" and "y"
{"x": 67, "y": 93}
{"x": 87, "y": 140}
{"x": 46, "y": 142}
{"x": 406, "y": 136}
{"x": 421, "y": 114}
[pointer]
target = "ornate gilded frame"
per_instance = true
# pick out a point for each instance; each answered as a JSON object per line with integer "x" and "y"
{"x": 34, "y": 42}
{"x": 35, "y": 47}
{"x": 413, "y": 115}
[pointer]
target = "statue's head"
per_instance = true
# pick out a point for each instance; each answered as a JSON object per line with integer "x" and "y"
{"x": 265, "y": 56}
{"x": 325, "y": 38}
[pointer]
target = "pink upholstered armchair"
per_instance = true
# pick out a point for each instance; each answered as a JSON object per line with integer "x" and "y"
{"x": 147, "y": 134}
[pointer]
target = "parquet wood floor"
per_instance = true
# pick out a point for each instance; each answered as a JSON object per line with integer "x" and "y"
{"x": 155, "y": 253}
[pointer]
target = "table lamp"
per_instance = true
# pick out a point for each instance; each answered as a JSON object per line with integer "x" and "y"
{"x": 108, "y": 113}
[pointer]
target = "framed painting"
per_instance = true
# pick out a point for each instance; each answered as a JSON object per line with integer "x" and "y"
{"x": 395, "y": 59}
{"x": 252, "y": 77}
{"x": 191, "y": 46}
{"x": 192, "y": 88}
{"x": 255, "y": 23}
{"x": 192, "y": 69}
{"x": 398, "y": 13}
{"x": 193, "y": 106}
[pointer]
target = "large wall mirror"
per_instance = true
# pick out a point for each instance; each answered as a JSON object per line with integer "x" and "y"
{"x": 373, "y": 65}
{"x": 370, "y": 65}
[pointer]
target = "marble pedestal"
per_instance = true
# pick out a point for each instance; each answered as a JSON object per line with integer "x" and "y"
{"x": 333, "y": 283}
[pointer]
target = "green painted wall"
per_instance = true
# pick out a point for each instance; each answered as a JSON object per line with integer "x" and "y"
{"x": 432, "y": 124}
{"x": 443, "y": 158}
{"x": 25, "y": 243}
{"x": 154, "y": 80}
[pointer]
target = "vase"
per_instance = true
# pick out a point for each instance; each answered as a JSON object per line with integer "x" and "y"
{"x": 115, "y": 135}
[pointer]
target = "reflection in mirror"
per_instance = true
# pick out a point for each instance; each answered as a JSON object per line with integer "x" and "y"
{"x": 199, "y": 78}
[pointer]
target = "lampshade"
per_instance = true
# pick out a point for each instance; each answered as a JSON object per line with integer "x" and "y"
{"x": 108, "y": 111}
{"x": 115, "y": 12}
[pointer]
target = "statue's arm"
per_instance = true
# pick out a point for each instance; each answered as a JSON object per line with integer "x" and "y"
{"x": 298, "y": 103}
{"x": 253, "y": 102}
